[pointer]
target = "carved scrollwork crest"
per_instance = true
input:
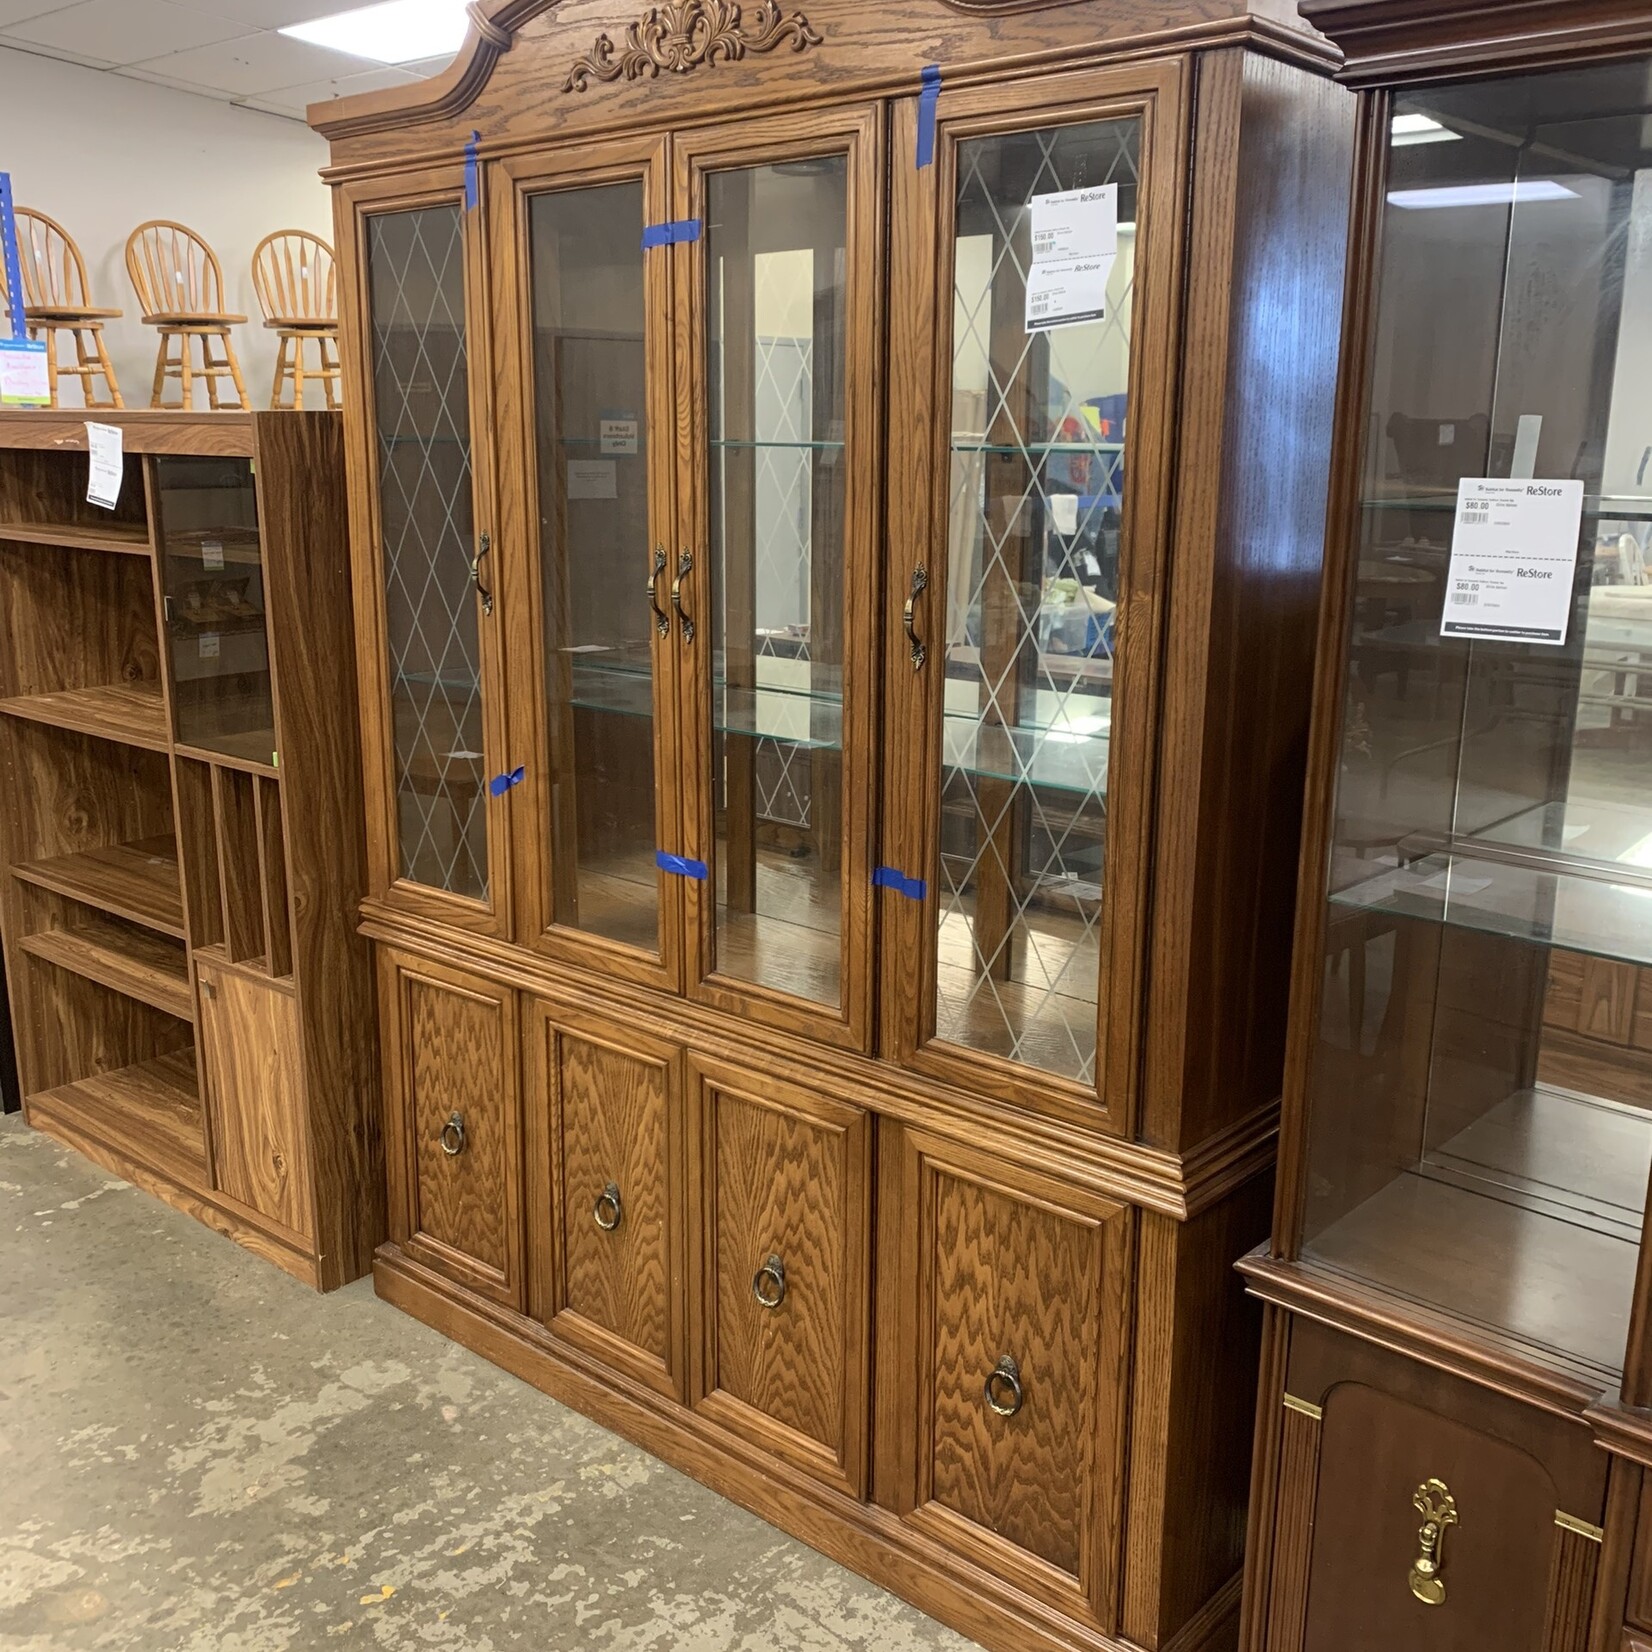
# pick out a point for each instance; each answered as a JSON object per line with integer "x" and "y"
{"x": 686, "y": 34}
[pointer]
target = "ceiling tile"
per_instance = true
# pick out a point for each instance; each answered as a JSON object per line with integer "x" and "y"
{"x": 14, "y": 11}
{"x": 62, "y": 54}
{"x": 267, "y": 14}
{"x": 125, "y": 31}
{"x": 254, "y": 64}
{"x": 296, "y": 99}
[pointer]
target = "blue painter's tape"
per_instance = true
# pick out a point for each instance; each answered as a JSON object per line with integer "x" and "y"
{"x": 502, "y": 783}
{"x": 14, "y": 267}
{"x": 672, "y": 234}
{"x": 682, "y": 866}
{"x": 473, "y": 190}
{"x": 928, "y": 99}
{"x": 886, "y": 877}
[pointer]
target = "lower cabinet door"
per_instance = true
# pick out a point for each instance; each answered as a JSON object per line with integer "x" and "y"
{"x": 454, "y": 1117}
{"x": 255, "y": 1095}
{"x": 1003, "y": 1335}
{"x": 605, "y": 1166}
{"x": 781, "y": 1178}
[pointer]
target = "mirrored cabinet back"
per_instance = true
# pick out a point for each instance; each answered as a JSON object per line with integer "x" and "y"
{"x": 838, "y": 499}
{"x": 1456, "y": 1289}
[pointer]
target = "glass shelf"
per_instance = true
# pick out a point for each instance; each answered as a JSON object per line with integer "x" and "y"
{"x": 1012, "y": 448}
{"x": 726, "y": 443}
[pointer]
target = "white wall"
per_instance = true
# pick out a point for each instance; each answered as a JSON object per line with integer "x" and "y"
{"x": 101, "y": 153}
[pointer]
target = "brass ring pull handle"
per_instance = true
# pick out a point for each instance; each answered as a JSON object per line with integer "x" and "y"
{"x": 662, "y": 620}
{"x": 1434, "y": 1502}
{"x": 607, "y": 1212}
{"x": 1003, "y": 1387}
{"x": 920, "y": 584}
{"x": 768, "y": 1284}
{"x": 685, "y": 566}
{"x": 453, "y": 1136}
{"x": 483, "y": 546}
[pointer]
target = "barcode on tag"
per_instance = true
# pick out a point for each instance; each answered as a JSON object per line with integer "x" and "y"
{"x": 1466, "y": 594}
{"x": 1476, "y": 516}
{"x": 1041, "y": 305}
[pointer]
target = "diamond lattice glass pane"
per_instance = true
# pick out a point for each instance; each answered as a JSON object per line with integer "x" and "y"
{"x": 591, "y": 388}
{"x": 421, "y": 407}
{"x": 776, "y": 315}
{"x": 1037, "y": 503}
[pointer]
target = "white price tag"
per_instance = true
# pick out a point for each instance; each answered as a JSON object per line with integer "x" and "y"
{"x": 1514, "y": 556}
{"x": 619, "y": 435}
{"x": 1067, "y": 293}
{"x": 1076, "y": 223}
{"x": 24, "y": 381}
{"x": 592, "y": 479}
{"x": 103, "y": 446}
{"x": 1064, "y": 512}
{"x": 209, "y": 645}
{"x": 212, "y": 554}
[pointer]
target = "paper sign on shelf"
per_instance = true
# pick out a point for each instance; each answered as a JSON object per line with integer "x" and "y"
{"x": 212, "y": 555}
{"x": 1076, "y": 223}
{"x": 1064, "y": 512}
{"x": 210, "y": 645}
{"x": 619, "y": 433}
{"x": 1514, "y": 553}
{"x": 1067, "y": 293}
{"x": 103, "y": 447}
{"x": 24, "y": 381}
{"x": 592, "y": 479}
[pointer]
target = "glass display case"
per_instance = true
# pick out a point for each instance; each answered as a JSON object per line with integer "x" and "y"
{"x": 212, "y": 577}
{"x": 1480, "y": 1100}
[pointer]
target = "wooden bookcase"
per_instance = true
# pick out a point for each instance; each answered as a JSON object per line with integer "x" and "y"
{"x": 179, "y": 823}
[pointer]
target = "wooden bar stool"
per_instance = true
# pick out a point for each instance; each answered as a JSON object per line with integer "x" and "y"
{"x": 180, "y": 288}
{"x": 297, "y": 287}
{"x": 57, "y": 299}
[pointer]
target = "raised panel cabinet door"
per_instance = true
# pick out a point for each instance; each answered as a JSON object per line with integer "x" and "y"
{"x": 609, "y": 1098}
{"x": 250, "y": 1040}
{"x": 452, "y": 1068}
{"x": 1015, "y": 1310}
{"x": 418, "y": 395}
{"x": 782, "y": 1178}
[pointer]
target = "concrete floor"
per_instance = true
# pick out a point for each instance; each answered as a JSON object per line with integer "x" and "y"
{"x": 197, "y": 1454}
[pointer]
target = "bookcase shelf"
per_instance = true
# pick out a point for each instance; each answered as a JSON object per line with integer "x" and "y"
{"x": 134, "y": 713}
{"x": 141, "y": 965}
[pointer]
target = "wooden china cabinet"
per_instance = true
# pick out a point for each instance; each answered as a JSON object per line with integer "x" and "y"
{"x": 838, "y": 499}
{"x": 1457, "y": 1285}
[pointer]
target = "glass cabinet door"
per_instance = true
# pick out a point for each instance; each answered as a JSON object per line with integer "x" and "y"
{"x": 439, "y": 749}
{"x": 212, "y": 578}
{"x": 1014, "y": 570}
{"x": 592, "y": 351}
{"x": 777, "y": 313}
{"x": 1481, "y": 1090}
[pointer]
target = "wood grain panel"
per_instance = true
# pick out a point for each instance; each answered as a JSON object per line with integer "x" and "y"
{"x": 1293, "y": 1530}
{"x": 1571, "y": 1591}
{"x": 611, "y": 1102}
{"x": 451, "y": 1053}
{"x": 251, "y": 1049}
{"x": 784, "y": 1173}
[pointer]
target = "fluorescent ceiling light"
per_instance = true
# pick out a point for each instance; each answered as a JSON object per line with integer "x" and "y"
{"x": 1470, "y": 195}
{"x": 1410, "y": 129}
{"x": 396, "y": 31}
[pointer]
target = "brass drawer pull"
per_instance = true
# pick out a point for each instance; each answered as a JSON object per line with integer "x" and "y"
{"x": 453, "y": 1136}
{"x": 920, "y": 584}
{"x": 662, "y": 620}
{"x": 608, "y": 1211}
{"x": 1003, "y": 1387}
{"x": 768, "y": 1284}
{"x": 685, "y": 623}
{"x": 1439, "y": 1509}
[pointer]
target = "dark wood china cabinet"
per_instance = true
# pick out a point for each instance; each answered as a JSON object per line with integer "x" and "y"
{"x": 838, "y": 501}
{"x": 1456, "y": 1287}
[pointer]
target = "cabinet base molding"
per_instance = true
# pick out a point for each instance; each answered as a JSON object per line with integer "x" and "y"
{"x": 211, "y": 1210}
{"x": 863, "y": 1537}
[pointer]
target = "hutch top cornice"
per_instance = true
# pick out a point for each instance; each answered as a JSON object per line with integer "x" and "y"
{"x": 534, "y": 68}
{"x": 1392, "y": 41}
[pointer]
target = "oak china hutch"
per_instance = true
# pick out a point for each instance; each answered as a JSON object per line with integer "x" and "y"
{"x": 838, "y": 498}
{"x": 1457, "y": 1285}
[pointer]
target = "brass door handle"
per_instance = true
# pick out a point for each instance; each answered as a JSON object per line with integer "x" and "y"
{"x": 483, "y": 547}
{"x": 920, "y": 584}
{"x": 768, "y": 1284}
{"x": 1002, "y": 1388}
{"x": 685, "y": 566}
{"x": 608, "y": 1212}
{"x": 453, "y": 1136}
{"x": 662, "y": 620}
{"x": 1434, "y": 1502}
